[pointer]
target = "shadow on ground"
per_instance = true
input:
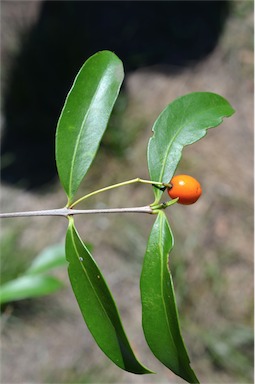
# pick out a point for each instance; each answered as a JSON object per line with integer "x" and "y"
{"x": 142, "y": 34}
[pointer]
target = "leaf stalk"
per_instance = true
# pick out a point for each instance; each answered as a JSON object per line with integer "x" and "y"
{"x": 157, "y": 184}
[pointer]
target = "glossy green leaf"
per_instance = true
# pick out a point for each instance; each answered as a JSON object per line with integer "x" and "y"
{"x": 159, "y": 311}
{"x": 51, "y": 257}
{"x": 84, "y": 117}
{"x": 26, "y": 287}
{"x": 181, "y": 123}
{"x": 97, "y": 305}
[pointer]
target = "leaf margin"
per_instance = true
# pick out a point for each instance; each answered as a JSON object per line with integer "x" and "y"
{"x": 130, "y": 362}
{"x": 153, "y": 326}
{"x": 171, "y": 159}
{"x": 68, "y": 120}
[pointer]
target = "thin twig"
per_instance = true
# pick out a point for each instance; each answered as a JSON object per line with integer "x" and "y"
{"x": 47, "y": 212}
{"x": 70, "y": 212}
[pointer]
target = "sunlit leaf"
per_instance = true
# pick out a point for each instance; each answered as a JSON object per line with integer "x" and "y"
{"x": 26, "y": 287}
{"x": 51, "y": 257}
{"x": 97, "y": 305}
{"x": 182, "y": 122}
{"x": 84, "y": 117}
{"x": 159, "y": 311}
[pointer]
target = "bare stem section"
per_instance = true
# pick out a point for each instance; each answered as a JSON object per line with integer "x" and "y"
{"x": 47, "y": 212}
{"x": 70, "y": 212}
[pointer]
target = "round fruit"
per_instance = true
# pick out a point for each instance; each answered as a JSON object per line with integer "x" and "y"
{"x": 186, "y": 188}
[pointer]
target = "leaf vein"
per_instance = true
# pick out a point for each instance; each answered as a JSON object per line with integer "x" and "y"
{"x": 81, "y": 131}
{"x": 182, "y": 126}
{"x": 89, "y": 280}
{"x": 162, "y": 219}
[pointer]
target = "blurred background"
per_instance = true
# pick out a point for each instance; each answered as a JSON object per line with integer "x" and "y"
{"x": 168, "y": 48}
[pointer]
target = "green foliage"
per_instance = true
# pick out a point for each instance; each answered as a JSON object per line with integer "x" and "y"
{"x": 80, "y": 128}
{"x": 84, "y": 118}
{"x": 97, "y": 305}
{"x": 159, "y": 311}
{"x": 51, "y": 257}
{"x": 34, "y": 281}
{"x": 28, "y": 286}
{"x": 182, "y": 122}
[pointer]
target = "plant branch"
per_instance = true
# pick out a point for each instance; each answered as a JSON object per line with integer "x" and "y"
{"x": 70, "y": 212}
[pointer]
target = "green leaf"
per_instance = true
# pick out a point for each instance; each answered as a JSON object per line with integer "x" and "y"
{"x": 26, "y": 287}
{"x": 97, "y": 305}
{"x": 159, "y": 311}
{"x": 181, "y": 123}
{"x": 84, "y": 117}
{"x": 51, "y": 257}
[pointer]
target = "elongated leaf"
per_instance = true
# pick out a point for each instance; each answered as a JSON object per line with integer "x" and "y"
{"x": 182, "y": 122}
{"x": 26, "y": 287}
{"x": 97, "y": 305}
{"x": 159, "y": 311}
{"x": 51, "y": 257}
{"x": 84, "y": 117}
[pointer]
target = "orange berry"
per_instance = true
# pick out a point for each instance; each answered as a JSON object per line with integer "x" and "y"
{"x": 186, "y": 188}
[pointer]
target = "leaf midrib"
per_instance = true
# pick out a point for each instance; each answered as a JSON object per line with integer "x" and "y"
{"x": 81, "y": 130}
{"x": 162, "y": 278}
{"x": 174, "y": 137}
{"x": 95, "y": 292}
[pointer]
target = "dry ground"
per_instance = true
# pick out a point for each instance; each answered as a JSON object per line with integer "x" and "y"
{"x": 46, "y": 341}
